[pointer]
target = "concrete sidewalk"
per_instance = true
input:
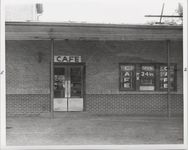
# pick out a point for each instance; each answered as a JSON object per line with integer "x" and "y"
{"x": 90, "y": 129}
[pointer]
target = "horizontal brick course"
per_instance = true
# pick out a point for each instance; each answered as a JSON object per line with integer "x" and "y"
{"x": 154, "y": 104}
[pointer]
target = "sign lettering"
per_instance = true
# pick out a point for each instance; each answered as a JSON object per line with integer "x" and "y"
{"x": 148, "y": 68}
{"x": 127, "y": 74}
{"x": 127, "y": 85}
{"x": 127, "y": 68}
{"x": 67, "y": 59}
{"x": 126, "y": 79}
{"x": 164, "y": 77}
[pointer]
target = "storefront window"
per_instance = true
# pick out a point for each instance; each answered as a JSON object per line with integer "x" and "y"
{"x": 146, "y": 77}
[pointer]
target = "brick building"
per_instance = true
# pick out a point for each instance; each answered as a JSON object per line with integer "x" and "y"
{"x": 94, "y": 68}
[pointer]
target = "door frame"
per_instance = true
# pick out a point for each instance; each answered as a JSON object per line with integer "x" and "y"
{"x": 84, "y": 78}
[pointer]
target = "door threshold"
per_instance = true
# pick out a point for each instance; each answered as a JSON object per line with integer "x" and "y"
{"x": 64, "y": 114}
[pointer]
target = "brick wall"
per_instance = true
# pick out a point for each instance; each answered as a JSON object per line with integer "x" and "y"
{"x": 28, "y": 75}
{"x": 139, "y": 104}
{"x": 27, "y": 103}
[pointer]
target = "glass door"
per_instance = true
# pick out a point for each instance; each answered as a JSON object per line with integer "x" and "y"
{"x": 75, "y": 101}
{"x": 68, "y": 87}
{"x": 60, "y": 88}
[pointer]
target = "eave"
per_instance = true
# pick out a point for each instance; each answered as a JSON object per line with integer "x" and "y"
{"x": 80, "y": 31}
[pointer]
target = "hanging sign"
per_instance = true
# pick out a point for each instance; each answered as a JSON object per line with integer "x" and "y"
{"x": 67, "y": 59}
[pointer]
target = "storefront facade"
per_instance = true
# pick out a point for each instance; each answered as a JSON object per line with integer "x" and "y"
{"x": 108, "y": 69}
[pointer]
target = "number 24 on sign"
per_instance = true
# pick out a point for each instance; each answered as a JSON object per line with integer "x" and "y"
{"x": 148, "y": 74}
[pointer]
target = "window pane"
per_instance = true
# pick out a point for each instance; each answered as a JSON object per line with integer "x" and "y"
{"x": 59, "y": 82}
{"x": 76, "y": 81}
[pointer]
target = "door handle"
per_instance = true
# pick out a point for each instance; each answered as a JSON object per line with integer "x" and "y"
{"x": 68, "y": 89}
{"x": 137, "y": 76}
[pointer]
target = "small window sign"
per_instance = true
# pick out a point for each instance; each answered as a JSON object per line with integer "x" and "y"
{"x": 148, "y": 68}
{"x": 127, "y": 68}
{"x": 147, "y": 88}
{"x": 127, "y": 77}
{"x": 147, "y": 78}
{"x": 67, "y": 59}
{"x": 163, "y": 82}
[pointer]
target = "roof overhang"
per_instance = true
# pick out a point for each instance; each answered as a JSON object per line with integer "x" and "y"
{"x": 80, "y": 31}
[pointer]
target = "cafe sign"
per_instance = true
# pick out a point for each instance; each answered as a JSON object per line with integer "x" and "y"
{"x": 67, "y": 59}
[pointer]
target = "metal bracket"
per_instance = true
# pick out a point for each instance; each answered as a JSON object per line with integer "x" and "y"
{"x": 137, "y": 76}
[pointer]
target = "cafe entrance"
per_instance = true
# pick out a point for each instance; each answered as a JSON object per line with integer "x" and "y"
{"x": 68, "y": 87}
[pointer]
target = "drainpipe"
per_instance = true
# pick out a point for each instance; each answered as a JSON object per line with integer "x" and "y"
{"x": 52, "y": 78}
{"x": 168, "y": 77}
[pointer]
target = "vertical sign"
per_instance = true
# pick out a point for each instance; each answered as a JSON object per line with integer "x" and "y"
{"x": 163, "y": 81}
{"x": 127, "y": 77}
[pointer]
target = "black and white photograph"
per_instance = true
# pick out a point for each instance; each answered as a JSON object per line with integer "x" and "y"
{"x": 93, "y": 74}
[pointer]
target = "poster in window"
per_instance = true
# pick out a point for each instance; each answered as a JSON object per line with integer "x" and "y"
{"x": 147, "y": 78}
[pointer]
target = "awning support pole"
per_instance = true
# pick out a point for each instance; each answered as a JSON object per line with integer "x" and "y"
{"x": 52, "y": 78}
{"x": 169, "y": 84}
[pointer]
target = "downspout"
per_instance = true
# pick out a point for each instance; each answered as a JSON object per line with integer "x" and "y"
{"x": 168, "y": 77}
{"x": 52, "y": 78}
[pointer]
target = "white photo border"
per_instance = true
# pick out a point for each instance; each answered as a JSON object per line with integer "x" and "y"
{"x": 130, "y": 147}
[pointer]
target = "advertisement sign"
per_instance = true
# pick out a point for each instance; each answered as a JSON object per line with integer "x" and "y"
{"x": 164, "y": 77}
{"x": 127, "y": 75}
{"x": 67, "y": 59}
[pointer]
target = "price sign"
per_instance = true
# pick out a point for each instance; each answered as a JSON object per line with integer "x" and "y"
{"x": 147, "y": 77}
{"x": 147, "y": 74}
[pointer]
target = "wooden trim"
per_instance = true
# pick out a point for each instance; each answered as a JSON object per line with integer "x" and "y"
{"x": 99, "y": 25}
{"x": 69, "y": 64}
{"x": 60, "y": 31}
